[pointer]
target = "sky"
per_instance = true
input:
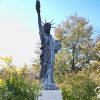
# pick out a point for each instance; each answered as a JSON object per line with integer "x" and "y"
{"x": 19, "y": 29}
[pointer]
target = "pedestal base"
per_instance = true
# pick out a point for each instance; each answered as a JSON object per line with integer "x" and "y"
{"x": 50, "y": 95}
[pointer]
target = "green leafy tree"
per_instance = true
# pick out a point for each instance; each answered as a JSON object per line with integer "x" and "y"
{"x": 75, "y": 34}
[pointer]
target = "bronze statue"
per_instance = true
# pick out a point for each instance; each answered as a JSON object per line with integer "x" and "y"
{"x": 49, "y": 48}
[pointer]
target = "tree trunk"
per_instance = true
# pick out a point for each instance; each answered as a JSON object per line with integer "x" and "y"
{"x": 73, "y": 60}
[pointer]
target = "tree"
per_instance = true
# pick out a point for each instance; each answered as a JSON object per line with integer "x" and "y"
{"x": 75, "y": 34}
{"x": 97, "y": 48}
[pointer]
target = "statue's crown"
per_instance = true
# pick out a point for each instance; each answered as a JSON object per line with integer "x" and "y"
{"x": 50, "y": 23}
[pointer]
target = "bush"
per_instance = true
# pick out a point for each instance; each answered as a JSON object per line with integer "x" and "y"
{"x": 16, "y": 85}
{"x": 78, "y": 87}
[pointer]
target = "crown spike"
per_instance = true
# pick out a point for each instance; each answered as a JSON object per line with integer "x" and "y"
{"x": 51, "y": 21}
{"x": 53, "y": 27}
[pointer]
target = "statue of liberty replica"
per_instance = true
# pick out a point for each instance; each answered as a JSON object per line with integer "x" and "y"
{"x": 49, "y": 48}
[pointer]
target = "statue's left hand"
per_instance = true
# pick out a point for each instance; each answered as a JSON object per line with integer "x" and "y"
{"x": 38, "y": 6}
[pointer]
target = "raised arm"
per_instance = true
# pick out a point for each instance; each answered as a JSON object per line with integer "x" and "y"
{"x": 39, "y": 17}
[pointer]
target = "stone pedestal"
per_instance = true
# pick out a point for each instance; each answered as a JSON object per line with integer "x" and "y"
{"x": 50, "y": 95}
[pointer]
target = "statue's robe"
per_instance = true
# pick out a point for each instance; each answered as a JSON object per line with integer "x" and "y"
{"x": 49, "y": 47}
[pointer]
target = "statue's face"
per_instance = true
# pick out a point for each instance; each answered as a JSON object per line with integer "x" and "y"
{"x": 47, "y": 28}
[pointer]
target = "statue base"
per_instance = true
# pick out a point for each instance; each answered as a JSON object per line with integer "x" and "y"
{"x": 50, "y": 87}
{"x": 50, "y": 95}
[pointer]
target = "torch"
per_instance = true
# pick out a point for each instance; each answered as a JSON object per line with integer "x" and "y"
{"x": 38, "y": 6}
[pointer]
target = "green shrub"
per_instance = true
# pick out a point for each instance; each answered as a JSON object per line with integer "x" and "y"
{"x": 17, "y": 86}
{"x": 78, "y": 87}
